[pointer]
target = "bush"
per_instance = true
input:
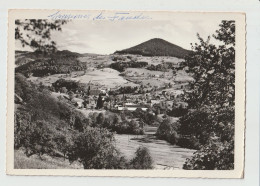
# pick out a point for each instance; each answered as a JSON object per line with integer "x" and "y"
{"x": 121, "y": 66}
{"x": 178, "y": 110}
{"x": 168, "y": 131}
{"x": 215, "y": 155}
{"x": 38, "y": 139}
{"x": 23, "y": 88}
{"x": 142, "y": 159}
{"x": 197, "y": 123}
{"x": 190, "y": 143}
{"x": 67, "y": 85}
{"x": 42, "y": 122}
{"x": 95, "y": 149}
{"x": 63, "y": 90}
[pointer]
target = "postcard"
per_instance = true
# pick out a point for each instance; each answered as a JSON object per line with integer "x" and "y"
{"x": 126, "y": 93}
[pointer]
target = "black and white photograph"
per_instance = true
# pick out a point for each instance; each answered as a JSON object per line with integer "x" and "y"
{"x": 126, "y": 91}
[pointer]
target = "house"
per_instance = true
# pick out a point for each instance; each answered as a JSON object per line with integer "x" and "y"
{"x": 132, "y": 107}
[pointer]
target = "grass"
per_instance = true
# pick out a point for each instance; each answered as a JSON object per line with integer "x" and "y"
{"x": 21, "y": 161}
{"x": 165, "y": 155}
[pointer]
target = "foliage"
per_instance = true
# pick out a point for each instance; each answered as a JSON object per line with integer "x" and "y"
{"x": 121, "y": 66}
{"x": 36, "y": 33}
{"x": 142, "y": 159}
{"x": 190, "y": 142}
{"x": 37, "y": 139}
{"x": 43, "y": 120}
{"x": 215, "y": 155}
{"x": 164, "y": 67}
{"x": 213, "y": 69}
{"x": 99, "y": 102}
{"x": 126, "y": 90}
{"x": 51, "y": 127}
{"x": 167, "y": 130}
{"x": 211, "y": 100}
{"x": 49, "y": 66}
{"x": 69, "y": 85}
{"x": 23, "y": 88}
{"x": 178, "y": 110}
{"x": 147, "y": 117}
{"x": 95, "y": 149}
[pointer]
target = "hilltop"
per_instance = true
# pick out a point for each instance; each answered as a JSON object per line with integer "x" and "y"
{"x": 156, "y": 47}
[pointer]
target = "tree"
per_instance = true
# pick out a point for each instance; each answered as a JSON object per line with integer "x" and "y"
{"x": 99, "y": 102}
{"x": 23, "y": 88}
{"x": 168, "y": 131}
{"x": 38, "y": 139}
{"x": 36, "y": 33}
{"x": 212, "y": 100}
{"x": 100, "y": 119}
{"x": 142, "y": 159}
{"x": 215, "y": 155}
{"x": 95, "y": 149}
{"x": 213, "y": 70}
{"x": 63, "y": 90}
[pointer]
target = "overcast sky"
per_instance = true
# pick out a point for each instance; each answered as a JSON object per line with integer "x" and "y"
{"x": 105, "y": 37}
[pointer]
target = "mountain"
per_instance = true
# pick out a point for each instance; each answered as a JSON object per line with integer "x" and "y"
{"x": 156, "y": 47}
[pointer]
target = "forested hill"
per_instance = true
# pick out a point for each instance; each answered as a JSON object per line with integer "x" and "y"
{"x": 23, "y": 57}
{"x": 156, "y": 47}
{"x": 40, "y": 64}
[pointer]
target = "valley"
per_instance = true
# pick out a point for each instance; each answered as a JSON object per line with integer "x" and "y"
{"x": 143, "y": 91}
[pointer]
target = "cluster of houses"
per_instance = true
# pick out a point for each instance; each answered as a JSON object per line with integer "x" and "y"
{"x": 161, "y": 99}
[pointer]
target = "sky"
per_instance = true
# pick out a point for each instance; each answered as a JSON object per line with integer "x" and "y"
{"x": 105, "y": 37}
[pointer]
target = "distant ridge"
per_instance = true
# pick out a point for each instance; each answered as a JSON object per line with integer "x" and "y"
{"x": 24, "y": 57}
{"x": 156, "y": 47}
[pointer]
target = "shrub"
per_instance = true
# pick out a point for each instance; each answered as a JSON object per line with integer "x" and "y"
{"x": 23, "y": 88}
{"x": 142, "y": 159}
{"x": 63, "y": 90}
{"x": 190, "y": 142}
{"x": 95, "y": 149}
{"x": 168, "y": 131}
{"x": 197, "y": 123}
{"x": 215, "y": 155}
{"x": 178, "y": 110}
{"x": 121, "y": 66}
{"x": 38, "y": 139}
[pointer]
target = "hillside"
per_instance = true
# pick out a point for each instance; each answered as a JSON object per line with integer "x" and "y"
{"x": 41, "y": 64}
{"x": 23, "y": 57}
{"x": 156, "y": 47}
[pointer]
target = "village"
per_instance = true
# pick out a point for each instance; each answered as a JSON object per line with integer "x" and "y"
{"x": 91, "y": 97}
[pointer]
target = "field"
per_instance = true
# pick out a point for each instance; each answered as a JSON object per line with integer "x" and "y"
{"x": 94, "y": 60}
{"x": 155, "y": 78}
{"x": 165, "y": 155}
{"x": 106, "y": 77}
